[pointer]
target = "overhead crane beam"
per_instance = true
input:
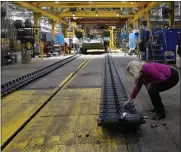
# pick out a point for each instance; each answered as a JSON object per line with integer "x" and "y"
{"x": 142, "y": 12}
{"x": 92, "y": 4}
{"x": 36, "y": 9}
{"x": 106, "y": 21}
{"x": 106, "y": 24}
{"x": 92, "y": 14}
{"x": 100, "y": 19}
{"x": 101, "y": 22}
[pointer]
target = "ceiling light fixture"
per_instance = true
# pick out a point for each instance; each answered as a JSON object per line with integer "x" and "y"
{"x": 97, "y": 14}
{"x": 73, "y": 15}
{"x": 117, "y": 14}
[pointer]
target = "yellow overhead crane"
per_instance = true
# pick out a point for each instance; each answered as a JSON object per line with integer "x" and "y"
{"x": 107, "y": 4}
{"x": 37, "y": 9}
{"x": 142, "y": 12}
{"x": 38, "y": 12}
{"x": 142, "y": 8}
{"x": 91, "y": 14}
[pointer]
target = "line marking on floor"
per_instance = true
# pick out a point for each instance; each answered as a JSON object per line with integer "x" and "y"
{"x": 73, "y": 75}
{"x": 64, "y": 82}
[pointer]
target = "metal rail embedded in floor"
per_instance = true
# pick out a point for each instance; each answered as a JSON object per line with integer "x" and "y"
{"x": 16, "y": 84}
{"x": 114, "y": 94}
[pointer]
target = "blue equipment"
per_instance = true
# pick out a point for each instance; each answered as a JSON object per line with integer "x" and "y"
{"x": 124, "y": 36}
{"x": 132, "y": 40}
{"x": 144, "y": 38}
{"x": 59, "y": 39}
{"x": 166, "y": 41}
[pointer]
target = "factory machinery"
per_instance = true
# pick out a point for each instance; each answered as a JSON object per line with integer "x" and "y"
{"x": 17, "y": 36}
{"x": 9, "y": 43}
{"x": 153, "y": 45}
{"x": 95, "y": 43}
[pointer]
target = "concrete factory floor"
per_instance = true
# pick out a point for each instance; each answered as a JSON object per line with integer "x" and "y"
{"x": 68, "y": 122}
{"x": 13, "y": 71}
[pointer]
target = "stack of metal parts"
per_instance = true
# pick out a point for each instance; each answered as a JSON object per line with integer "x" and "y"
{"x": 112, "y": 110}
{"x": 26, "y": 36}
{"x": 7, "y": 57}
{"x": 8, "y": 37}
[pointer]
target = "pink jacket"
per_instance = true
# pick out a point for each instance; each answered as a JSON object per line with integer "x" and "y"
{"x": 151, "y": 73}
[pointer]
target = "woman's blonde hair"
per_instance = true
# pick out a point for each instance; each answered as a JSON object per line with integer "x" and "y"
{"x": 134, "y": 68}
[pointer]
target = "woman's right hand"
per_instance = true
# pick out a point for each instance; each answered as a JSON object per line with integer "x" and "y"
{"x": 127, "y": 102}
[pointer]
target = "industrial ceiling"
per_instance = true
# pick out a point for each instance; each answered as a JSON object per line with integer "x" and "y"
{"x": 109, "y": 13}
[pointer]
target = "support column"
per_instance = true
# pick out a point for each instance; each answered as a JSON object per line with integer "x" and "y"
{"x": 74, "y": 26}
{"x": 53, "y": 30}
{"x": 150, "y": 28}
{"x": 171, "y": 6}
{"x": 111, "y": 43}
{"x": 60, "y": 28}
{"x": 137, "y": 42}
{"x": 136, "y": 24}
{"x": 36, "y": 24}
{"x": 147, "y": 16}
{"x": 65, "y": 32}
{"x": 130, "y": 28}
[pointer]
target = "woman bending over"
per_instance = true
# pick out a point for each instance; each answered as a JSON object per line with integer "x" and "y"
{"x": 157, "y": 78}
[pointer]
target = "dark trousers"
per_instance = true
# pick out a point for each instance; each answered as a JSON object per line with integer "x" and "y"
{"x": 75, "y": 48}
{"x": 154, "y": 90}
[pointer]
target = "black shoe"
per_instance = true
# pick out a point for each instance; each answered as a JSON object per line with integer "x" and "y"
{"x": 158, "y": 117}
{"x": 152, "y": 110}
